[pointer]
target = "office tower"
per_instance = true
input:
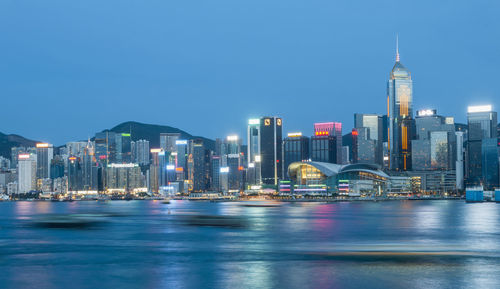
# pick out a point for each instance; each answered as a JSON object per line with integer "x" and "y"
{"x": 101, "y": 146}
{"x": 182, "y": 159}
{"x": 163, "y": 160}
{"x": 482, "y": 124}
{"x": 345, "y": 155}
{"x": 460, "y": 160}
{"x": 295, "y": 149}
{"x": 235, "y": 173}
{"x": 270, "y": 149}
{"x": 324, "y": 143}
{"x": 168, "y": 141}
{"x": 401, "y": 125}
{"x": 364, "y": 148}
{"x": 253, "y": 148}
{"x": 75, "y": 175}
{"x": 374, "y": 124}
{"x": 434, "y": 146}
{"x": 124, "y": 148}
{"x": 330, "y": 129}
{"x": 199, "y": 168}
{"x": 44, "y": 155}
{"x": 154, "y": 167}
{"x": 105, "y": 147}
{"x": 75, "y": 148}
{"x": 89, "y": 169}
{"x": 26, "y": 176}
{"x": 57, "y": 167}
{"x": 14, "y": 154}
{"x": 215, "y": 169}
{"x": 141, "y": 155}
{"x": 232, "y": 158}
{"x": 489, "y": 154}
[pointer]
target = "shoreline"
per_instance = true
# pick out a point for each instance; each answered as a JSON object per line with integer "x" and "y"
{"x": 318, "y": 200}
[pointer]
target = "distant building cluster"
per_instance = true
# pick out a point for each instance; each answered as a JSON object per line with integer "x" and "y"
{"x": 398, "y": 153}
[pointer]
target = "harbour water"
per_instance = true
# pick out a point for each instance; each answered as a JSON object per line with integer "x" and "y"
{"x": 148, "y": 244}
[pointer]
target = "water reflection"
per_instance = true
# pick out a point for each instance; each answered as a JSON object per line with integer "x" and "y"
{"x": 316, "y": 245}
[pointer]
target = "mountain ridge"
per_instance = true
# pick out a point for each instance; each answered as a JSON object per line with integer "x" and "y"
{"x": 138, "y": 130}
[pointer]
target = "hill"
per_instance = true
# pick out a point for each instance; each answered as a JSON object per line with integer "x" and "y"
{"x": 13, "y": 140}
{"x": 151, "y": 133}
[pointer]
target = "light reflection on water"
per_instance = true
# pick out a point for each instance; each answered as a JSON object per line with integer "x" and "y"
{"x": 145, "y": 244}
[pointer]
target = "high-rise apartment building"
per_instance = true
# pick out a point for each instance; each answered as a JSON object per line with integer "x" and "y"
{"x": 141, "y": 152}
{"x": 27, "y": 169}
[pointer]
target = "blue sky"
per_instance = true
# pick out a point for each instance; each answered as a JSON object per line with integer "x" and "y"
{"x": 71, "y": 68}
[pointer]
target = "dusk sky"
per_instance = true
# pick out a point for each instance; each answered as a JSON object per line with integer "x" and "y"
{"x": 69, "y": 69}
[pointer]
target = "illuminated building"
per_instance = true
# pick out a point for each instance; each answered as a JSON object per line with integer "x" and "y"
{"x": 154, "y": 173}
{"x": 182, "y": 158}
{"x": 482, "y": 124}
{"x": 215, "y": 170}
{"x": 364, "y": 148}
{"x": 124, "y": 177}
{"x": 57, "y": 167}
{"x": 44, "y": 154}
{"x": 75, "y": 148}
{"x": 199, "y": 165}
{"x": 459, "y": 164}
{"x": 168, "y": 141}
{"x": 141, "y": 152}
{"x": 271, "y": 150}
{"x": 325, "y": 143}
{"x": 105, "y": 147}
{"x": 26, "y": 175}
{"x": 295, "y": 149}
{"x": 123, "y": 148}
{"x": 320, "y": 150}
{"x": 253, "y": 154}
{"x": 489, "y": 153}
{"x": 374, "y": 136}
{"x": 317, "y": 178}
{"x": 435, "y": 145}
{"x": 400, "y": 113}
{"x": 265, "y": 150}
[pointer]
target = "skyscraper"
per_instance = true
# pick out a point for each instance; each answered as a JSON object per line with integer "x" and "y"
{"x": 326, "y": 143}
{"x": 168, "y": 140}
{"x": 482, "y": 125}
{"x": 141, "y": 155}
{"x": 253, "y": 147}
{"x": 374, "y": 124}
{"x": 44, "y": 155}
{"x": 295, "y": 149}
{"x": 434, "y": 146}
{"x": 270, "y": 149}
{"x": 330, "y": 129}
{"x": 27, "y": 169}
{"x": 400, "y": 113}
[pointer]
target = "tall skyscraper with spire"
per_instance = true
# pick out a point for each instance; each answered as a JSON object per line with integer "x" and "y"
{"x": 400, "y": 114}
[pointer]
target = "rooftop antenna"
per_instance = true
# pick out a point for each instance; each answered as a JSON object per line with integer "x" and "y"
{"x": 397, "y": 48}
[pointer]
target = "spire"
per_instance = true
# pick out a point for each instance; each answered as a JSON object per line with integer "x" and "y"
{"x": 397, "y": 48}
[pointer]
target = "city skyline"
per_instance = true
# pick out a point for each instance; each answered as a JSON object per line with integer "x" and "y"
{"x": 80, "y": 76}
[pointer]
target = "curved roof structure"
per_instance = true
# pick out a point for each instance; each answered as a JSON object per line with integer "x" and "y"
{"x": 399, "y": 71}
{"x": 329, "y": 169}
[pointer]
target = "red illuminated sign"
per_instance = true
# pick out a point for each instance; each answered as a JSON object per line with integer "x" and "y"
{"x": 322, "y": 133}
